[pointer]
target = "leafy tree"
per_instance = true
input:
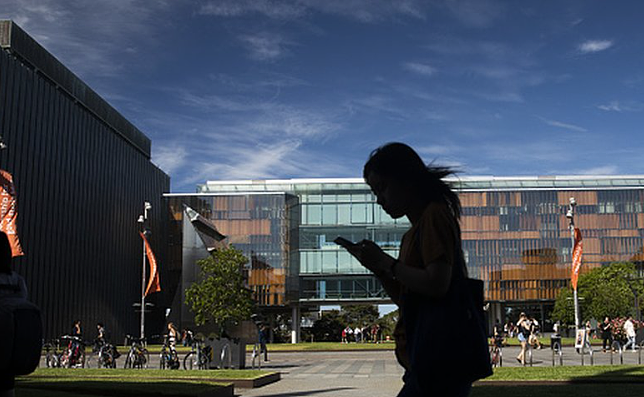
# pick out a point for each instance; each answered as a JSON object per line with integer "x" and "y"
{"x": 219, "y": 297}
{"x": 604, "y": 291}
{"x": 388, "y": 323}
{"x": 329, "y": 327}
{"x": 359, "y": 315}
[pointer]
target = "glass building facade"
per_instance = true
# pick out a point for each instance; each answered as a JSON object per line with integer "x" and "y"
{"x": 516, "y": 236}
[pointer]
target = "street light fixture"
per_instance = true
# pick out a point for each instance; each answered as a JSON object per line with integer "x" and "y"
{"x": 142, "y": 221}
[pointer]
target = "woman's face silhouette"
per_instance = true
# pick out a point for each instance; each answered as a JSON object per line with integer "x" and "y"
{"x": 393, "y": 196}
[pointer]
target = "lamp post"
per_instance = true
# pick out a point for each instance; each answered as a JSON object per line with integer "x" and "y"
{"x": 142, "y": 220}
{"x": 571, "y": 218}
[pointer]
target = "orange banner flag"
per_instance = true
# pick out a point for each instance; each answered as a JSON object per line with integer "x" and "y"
{"x": 8, "y": 213}
{"x": 153, "y": 283}
{"x": 576, "y": 258}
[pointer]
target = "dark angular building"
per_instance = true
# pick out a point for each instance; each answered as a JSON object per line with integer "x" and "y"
{"x": 82, "y": 173}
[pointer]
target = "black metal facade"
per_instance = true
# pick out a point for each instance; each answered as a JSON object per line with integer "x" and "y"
{"x": 82, "y": 174}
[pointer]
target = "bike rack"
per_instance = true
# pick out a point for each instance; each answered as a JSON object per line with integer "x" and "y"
{"x": 224, "y": 350}
{"x": 256, "y": 355}
{"x": 557, "y": 351}
{"x": 590, "y": 353}
{"x": 616, "y": 346}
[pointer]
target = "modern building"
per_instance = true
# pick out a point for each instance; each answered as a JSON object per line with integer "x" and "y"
{"x": 82, "y": 173}
{"x": 516, "y": 236}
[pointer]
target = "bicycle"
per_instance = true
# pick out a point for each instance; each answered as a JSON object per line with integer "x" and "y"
{"x": 496, "y": 353}
{"x": 105, "y": 354}
{"x": 199, "y": 357}
{"x": 52, "y": 353}
{"x": 168, "y": 357}
{"x": 138, "y": 356}
{"x": 74, "y": 354}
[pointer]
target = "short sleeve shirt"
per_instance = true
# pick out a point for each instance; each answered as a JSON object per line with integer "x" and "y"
{"x": 434, "y": 237}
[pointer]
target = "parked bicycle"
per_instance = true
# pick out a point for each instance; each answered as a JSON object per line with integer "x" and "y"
{"x": 52, "y": 353}
{"x": 168, "y": 358}
{"x": 496, "y": 352}
{"x": 73, "y": 356}
{"x": 199, "y": 357}
{"x": 138, "y": 356}
{"x": 105, "y": 354}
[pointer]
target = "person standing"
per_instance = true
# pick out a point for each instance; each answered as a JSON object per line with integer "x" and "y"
{"x": 606, "y": 329}
{"x": 523, "y": 333}
{"x": 263, "y": 339}
{"x": 426, "y": 278}
{"x": 629, "y": 328}
{"x": 12, "y": 286}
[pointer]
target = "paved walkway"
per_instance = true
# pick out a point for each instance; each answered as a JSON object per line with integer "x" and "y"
{"x": 376, "y": 373}
{"x": 329, "y": 374}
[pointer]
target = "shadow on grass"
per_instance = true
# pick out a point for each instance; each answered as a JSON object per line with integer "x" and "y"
{"x": 114, "y": 389}
{"x": 623, "y": 374}
{"x": 559, "y": 390}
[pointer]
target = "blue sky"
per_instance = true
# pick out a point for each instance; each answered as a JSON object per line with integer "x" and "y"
{"x": 242, "y": 89}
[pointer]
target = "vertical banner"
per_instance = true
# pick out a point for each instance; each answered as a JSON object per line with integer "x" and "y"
{"x": 576, "y": 258}
{"x": 8, "y": 212}
{"x": 153, "y": 283}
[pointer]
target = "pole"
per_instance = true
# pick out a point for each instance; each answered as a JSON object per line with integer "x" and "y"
{"x": 143, "y": 295}
{"x": 143, "y": 220}
{"x": 571, "y": 217}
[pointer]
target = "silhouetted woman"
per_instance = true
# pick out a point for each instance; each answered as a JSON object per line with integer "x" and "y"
{"x": 11, "y": 285}
{"x": 430, "y": 260}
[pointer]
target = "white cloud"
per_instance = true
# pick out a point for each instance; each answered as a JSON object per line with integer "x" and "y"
{"x": 566, "y": 126}
{"x": 269, "y": 8}
{"x": 265, "y": 46}
{"x": 617, "y": 106}
{"x": 362, "y": 10}
{"x": 169, "y": 158}
{"x": 592, "y": 46}
{"x": 600, "y": 170}
{"x": 420, "y": 68}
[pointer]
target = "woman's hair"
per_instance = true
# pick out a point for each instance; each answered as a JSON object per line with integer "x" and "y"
{"x": 401, "y": 162}
{"x": 5, "y": 254}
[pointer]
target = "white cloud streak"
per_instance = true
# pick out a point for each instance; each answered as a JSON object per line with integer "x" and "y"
{"x": 566, "y": 126}
{"x": 617, "y": 106}
{"x": 265, "y": 46}
{"x": 592, "y": 46}
{"x": 420, "y": 68}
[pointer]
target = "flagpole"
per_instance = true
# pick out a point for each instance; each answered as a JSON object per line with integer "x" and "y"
{"x": 142, "y": 220}
{"x": 571, "y": 217}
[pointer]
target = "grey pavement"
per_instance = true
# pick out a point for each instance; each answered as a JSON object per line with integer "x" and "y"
{"x": 373, "y": 373}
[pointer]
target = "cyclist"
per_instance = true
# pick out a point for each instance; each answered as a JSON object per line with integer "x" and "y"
{"x": 74, "y": 344}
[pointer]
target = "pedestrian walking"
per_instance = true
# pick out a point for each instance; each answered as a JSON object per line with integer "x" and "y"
{"x": 629, "y": 329}
{"x": 606, "y": 329}
{"x": 523, "y": 333}
{"x": 428, "y": 281}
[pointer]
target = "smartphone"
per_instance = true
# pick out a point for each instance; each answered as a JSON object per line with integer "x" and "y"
{"x": 344, "y": 242}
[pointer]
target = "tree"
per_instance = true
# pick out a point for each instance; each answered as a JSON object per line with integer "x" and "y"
{"x": 219, "y": 297}
{"x": 359, "y": 315}
{"x": 329, "y": 327}
{"x": 604, "y": 291}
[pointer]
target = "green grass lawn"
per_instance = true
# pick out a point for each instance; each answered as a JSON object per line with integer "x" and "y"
{"x": 62, "y": 382}
{"x": 605, "y": 373}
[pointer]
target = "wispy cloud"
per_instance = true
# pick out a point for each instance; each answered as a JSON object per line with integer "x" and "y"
{"x": 600, "y": 170}
{"x": 617, "y": 106}
{"x": 419, "y": 68}
{"x": 266, "y": 46}
{"x": 367, "y": 11}
{"x": 592, "y": 46}
{"x": 268, "y": 8}
{"x": 566, "y": 126}
{"x": 476, "y": 13}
